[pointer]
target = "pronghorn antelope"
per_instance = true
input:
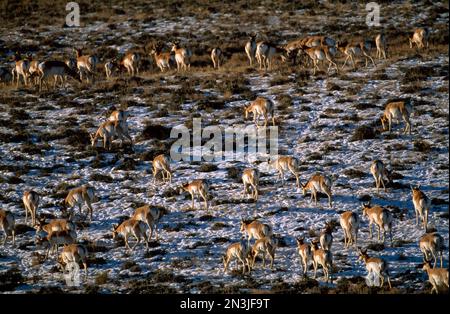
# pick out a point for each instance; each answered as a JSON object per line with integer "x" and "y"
{"x": 255, "y": 230}
{"x": 323, "y": 258}
{"x": 263, "y": 246}
{"x": 326, "y": 237}
{"x": 133, "y": 227}
{"x": 216, "y": 57}
{"x": 161, "y": 163}
{"x": 350, "y": 224}
{"x": 182, "y": 57}
{"x": 375, "y": 266}
{"x": 34, "y": 71}
{"x": 72, "y": 63}
{"x": 86, "y": 64}
{"x": 21, "y": 69}
{"x": 261, "y": 106}
{"x": 109, "y": 68}
{"x": 8, "y": 225}
{"x": 131, "y": 62}
{"x": 31, "y": 202}
{"x": 107, "y": 131}
{"x": 422, "y": 205}
{"x": 396, "y": 111}
{"x": 353, "y": 50}
{"x": 380, "y": 42}
{"x": 379, "y": 173}
{"x": 56, "y": 69}
{"x": 438, "y": 277}
{"x": 293, "y": 47}
{"x": 285, "y": 163}
{"x": 419, "y": 37}
{"x": 238, "y": 251}
{"x": 199, "y": 187}
{"x": 318, "y": 183}
{"x": 266, "y": 53}
{"x": 321, "y": 53}
{"x": 250, "y": 177}
{"x": 379, "y": 216}
{"x": 54, "y": 239}
{"x": 74, "y": 253}
{"x": 78, "y": 196}
{"x": 120, "y": 115}
{"x": 250, "y": 48}
{"x": 144, "y": 214}
{"x": 304, "y": 251}
{"x": 431, "y": 244}
{"x": 43, "y": 229}
{"x": 162, "y": 59}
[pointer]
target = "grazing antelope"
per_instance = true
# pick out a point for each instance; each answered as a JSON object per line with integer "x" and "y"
{"x": 161, "y": 163}
{"x": 266, "y": 53}
{"x": 162, "y": 59}
{"x": 74, "y": 253}
{"x": 250, "y": 177}
{"x": 376, "y": 266}
{"x": 21, "y": 69}
{"x": 182, "y": 57}
{"x": 353, "y": 50}
{"x": 199, "y": 187}
{"x": 43, "y": 229}
{"x": 261, "y": 106}
{"x": 380, "y": 42}
{"x": 107, "y": 131}
{"x": 285, "y": 163}
{"x": 238, "y": 251}
{"x": 78, "y": 196}
{"x": 326, "y": 237}
{"x": 349, "y": 222}
{"x": 318, "y": 183}
{"x": 320, "y": 54}
{"x": 55, "y": 239}
{"x": 419, "y": 37}
{"x": 133, "y": 227}
{"x": 144, "y": 214}
{"x": 323, "y": 258}
{"x": 131, "y": 62}
{"x": 8, "y": 225}
{"x": 431, "y": 244}
{"x": 157, "y": 213}
{"x": 55, "y": 69}
{"x": 293, "y": 47}
{"x": 304, "y": 251}
{"x": 109, "y": 68}
{"x": 379, "y": 216}
{"x": 263, "y": 246}
{"x": 86, "y": 64}
{"x": 396, "y": 111}
{"x": 379, "y": 173}
{"x": 438, "y": 277}
{"x": 120, "y": 115}
{"x": 216, "y": 57}
{"x": 255, "y": 230}
{"x": 250, "y": 49}
{"x": 31, "y": 202}
{"x": 422, "y": 205}
{"x": 34, "y": 71}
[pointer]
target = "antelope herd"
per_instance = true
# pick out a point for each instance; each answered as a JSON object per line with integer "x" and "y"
{"x": 319, "y": 251}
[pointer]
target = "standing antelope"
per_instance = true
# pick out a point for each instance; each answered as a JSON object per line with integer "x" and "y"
{"x": 182, "y": 57}
{"x": 162, "y": 59}
{"x": 34, "y": 71}
{"x": 266, "y": 53}
{"x": 239, "y": 252}
{"x": 326, "y": 237}
{"x": 216, "y": 57}
{"x": 419, "y": 37}
{"x": 380, "y": 42}
{"x": 395, "y": 111}
{"x": 323, "y": 258}
{"x": 55, "y": 69}
{"x": 431, "y": 244}
{"x": 133, "y": 227}
{"x": 53, "y": 226}
{"x": 255, "y": 230}
{"x": 74, "y": 253}
{"x": 422, "y": 205}
{"x": 376, "y": 266}
{"x": 318, "y": 183}
{"x": 293, "y": 47}
{"x": 120, "y": 115}
{"x": 131, "y": 62}
{"x": 107, "y": 131}
{"x": 379, "y": 173}
{"x": 8, "y": 225}
{"x": 86, "y": 64}
{"x": 263, "y": 246}
{"x": 78, "y": 196}
{"x": 21, "y": 69}
{"x": 250, "y": 48}
{"x": 379, "y": 216}
{"x": 250, "y": 177}
{"x": 353, "y": 50}
{"x": 285, "y": 163}
{"x": 438, "y": 277}
{"x": 144, "y": 214}
{"x": 54, "y": 239}
{"x": 261, "y": 106}
{"x": 321, "y": 53}
{"x": 161, "y": 163}
{"x": 199, "y": 187}
{"x": 304, "y": 251}
{"x": 350, "y": 224}
{"x": 31, "y": 202}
